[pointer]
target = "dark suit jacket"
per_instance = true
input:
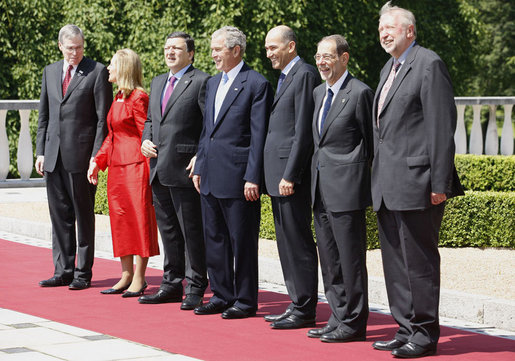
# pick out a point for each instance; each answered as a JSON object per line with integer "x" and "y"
{"x": 341, "y": 159}
{"x": 176, "y": 133}
{"x": 414, "y": 144}
{"x": 76, "y": 123}
{"x": 289, "y": 143}
{"x": 231, "y": 150}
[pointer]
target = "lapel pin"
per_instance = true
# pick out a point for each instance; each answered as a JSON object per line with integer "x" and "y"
{"x": 236, "y": 89}
{"x": 343, "y": 100}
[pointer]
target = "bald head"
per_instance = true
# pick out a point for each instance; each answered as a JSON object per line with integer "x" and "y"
{"x": 281, "y": 46}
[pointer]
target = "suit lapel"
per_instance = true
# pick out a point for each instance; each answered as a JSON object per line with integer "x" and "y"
{"x": 157, "y": 91}
{"x": 179, "y": 88}
{"x": 406, "y": 67}
{"x": 232, "y": 93}
{"x": 56, "y": 79}
{"x": 287, "y": 81}
{"x": 338, "y": 104}
{"x": 319, "y": 98}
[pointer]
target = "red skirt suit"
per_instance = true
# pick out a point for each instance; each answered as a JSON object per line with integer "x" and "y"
{"x": 133, "y": 221}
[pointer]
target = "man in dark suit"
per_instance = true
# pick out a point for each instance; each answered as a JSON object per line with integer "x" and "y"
{"x": 340, "y": 188}
{"x": 228, "y": 173}
{"x": 412, "y": 175}
{"x": 288, "y": 150}
{"x": 170, "y": 140}
{"x": 75, "y": 99}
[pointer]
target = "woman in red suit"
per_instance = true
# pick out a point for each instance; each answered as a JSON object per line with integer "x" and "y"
{"x": 133, "y": 222}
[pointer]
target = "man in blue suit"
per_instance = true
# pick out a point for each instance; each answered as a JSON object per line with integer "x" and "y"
{"x": 228, "y": 173}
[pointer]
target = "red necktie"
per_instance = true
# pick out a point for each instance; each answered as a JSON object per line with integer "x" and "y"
{"x": 67, "y": 79}
{"x": 168, "y": 93}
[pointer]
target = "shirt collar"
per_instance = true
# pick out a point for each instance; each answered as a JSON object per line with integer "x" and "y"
{"x": 336, "y": 86}
{"x": 290, "y": 65}
{"x": 404, "y": 55}
{"x": 180, "y": 73}
{"x": 234, "y": 71}
{"x": 66, "y": 65}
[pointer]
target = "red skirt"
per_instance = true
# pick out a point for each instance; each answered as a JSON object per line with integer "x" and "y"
{"x": 132, "y": 216}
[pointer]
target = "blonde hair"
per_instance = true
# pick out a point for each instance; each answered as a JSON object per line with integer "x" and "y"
{"x": 129, "y": 74}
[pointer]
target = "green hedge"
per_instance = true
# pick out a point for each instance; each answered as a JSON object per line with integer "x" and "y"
{"x": 478, "y": 219}
{"x": 486, "y": 172}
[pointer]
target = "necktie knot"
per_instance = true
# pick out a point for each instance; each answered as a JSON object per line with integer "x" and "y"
{"x": 225, "y": 78}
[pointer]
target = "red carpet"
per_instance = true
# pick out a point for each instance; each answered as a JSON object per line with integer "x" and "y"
{"x": 203, "y": 337}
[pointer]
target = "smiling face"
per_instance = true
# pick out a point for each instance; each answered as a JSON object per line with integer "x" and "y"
{"x": 225, "y": 59}
{"x": 395, "y": 34}
{"x": 72, "y": 49}
{"x": 331, "y": 65}
{"x": 176, "y": 54}
{"x": 279, "y": 52}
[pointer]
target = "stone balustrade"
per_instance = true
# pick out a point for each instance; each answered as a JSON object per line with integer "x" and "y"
{"x": 477, "y": 144}
{"x": 489, "y": 144}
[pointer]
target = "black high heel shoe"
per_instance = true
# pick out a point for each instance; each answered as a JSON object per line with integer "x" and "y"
{"x": 136, "y": 294}
{"x": 114, "y": 291}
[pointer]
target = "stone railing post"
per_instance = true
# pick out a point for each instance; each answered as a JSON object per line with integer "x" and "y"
{"x": 507, "y": 131}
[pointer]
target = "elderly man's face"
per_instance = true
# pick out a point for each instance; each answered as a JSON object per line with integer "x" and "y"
{"x": 72, "y": 49}
{"x": 394, "y": 35}
{"x": 330, "y": 65}
{"x": 225, "y": 59}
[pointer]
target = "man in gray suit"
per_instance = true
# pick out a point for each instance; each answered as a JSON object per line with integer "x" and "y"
{"x": 288, "y": 150}
{"x": 75, "y": 99}
{"x": 340, "y": 184}
{"x": 412, "y": 175}
{"x": 170, "y": 140}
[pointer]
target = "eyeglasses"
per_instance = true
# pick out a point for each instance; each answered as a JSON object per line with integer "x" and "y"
{"x": 325, "y": 57}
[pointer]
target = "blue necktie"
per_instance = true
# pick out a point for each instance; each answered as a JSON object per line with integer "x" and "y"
{"x": 327, "y": 106}
{"x": 280, "y": 82}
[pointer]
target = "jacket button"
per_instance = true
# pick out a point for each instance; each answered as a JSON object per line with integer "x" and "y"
{"x": 381, "y": 140}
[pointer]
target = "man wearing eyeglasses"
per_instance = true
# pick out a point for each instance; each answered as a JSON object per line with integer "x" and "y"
{"x": 340, "y": 188}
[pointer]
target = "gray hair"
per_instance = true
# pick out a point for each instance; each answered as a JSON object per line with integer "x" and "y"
{"x": 407, "y": 16}
{"x": 70, "y": 31}
{"x": 342, "y": 46}
{"x": 233, "y": 36}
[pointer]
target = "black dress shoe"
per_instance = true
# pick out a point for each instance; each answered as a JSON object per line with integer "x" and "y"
{"x": 55, "y": 281}
{"x": 191, "y": 302}
{"x": 340, "y": 335}
{"x": 79, "y": 284}
{"x": 235, "y": 312}
{"x": 209, "y": 309}
{"x": 114, "y": 291}
{"x": 161, "y": 296}
{"x": 387, "y": 345}
{"x": 318, "y": 332}
{"x": 137, "y": 293}
{"x": 282, "y": 316}
{"x": 293, "y": 321}
{"x": 412, "y": 350}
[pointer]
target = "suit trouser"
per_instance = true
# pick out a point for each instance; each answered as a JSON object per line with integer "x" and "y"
{"x": 71, "y": 198}
{"x": 341, "y": 242}
{"x": 411, "y": 262}
{"x": 297, "y": 250}
{"x": 231, "y": 229}
{"x": 179, "y": 219}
